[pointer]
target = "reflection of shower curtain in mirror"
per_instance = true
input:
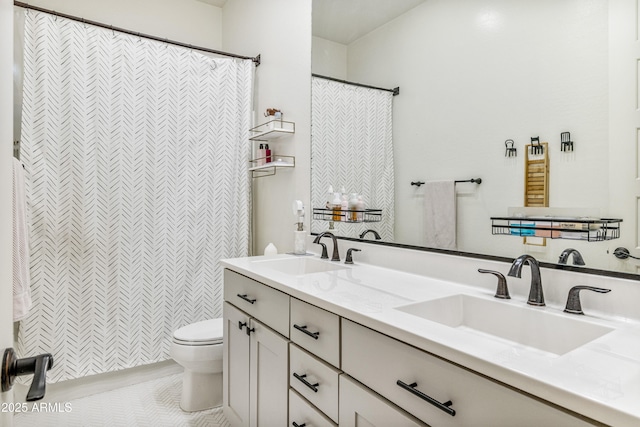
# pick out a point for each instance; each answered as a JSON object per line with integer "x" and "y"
{"x": 352, "y": 146}
{"x": 136, "y": 158}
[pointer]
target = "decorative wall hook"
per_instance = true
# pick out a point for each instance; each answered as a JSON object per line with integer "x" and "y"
{"x": 565, "y": 142}
{"x": 536, "y": 147}
{"x": 511, "y": 150}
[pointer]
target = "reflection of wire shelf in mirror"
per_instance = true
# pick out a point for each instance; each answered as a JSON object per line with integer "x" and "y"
{"x": 350, "y": 216}
{"x": 272, "y": 130}
{"x": 589, "y": 229}
{"x": 268, "y": 169}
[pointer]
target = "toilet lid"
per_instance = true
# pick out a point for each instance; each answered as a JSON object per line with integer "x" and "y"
{"x": 207, "y": 331}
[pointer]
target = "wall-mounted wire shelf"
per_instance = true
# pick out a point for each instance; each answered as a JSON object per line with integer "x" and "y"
{"x": 347, "y": 216}
{"x": 268, "y": 169}
{"x": 590, "y": 229}
{"x": 273, "y": 129}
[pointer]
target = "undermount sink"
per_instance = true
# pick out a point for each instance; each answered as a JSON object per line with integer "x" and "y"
{"x": 300, "y": 266}
{"x": 532, "y": 327}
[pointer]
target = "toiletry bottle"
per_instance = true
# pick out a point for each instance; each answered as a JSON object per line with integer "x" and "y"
{"x": 260, "y": 154}
{"x": 329, "y": 197}
{"x": 267, "y": 153}
{"x": 336, "y": 205}
{"x": 344, "y": 206}
{"x": 360, "y": 207}
{"x": 353, "y": 207}
{"x": 299, "y": 236}
{"x": 300, "y": 240}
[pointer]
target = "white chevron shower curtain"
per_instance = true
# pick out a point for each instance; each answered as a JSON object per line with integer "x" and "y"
{"x": 136, "y": 156}
{"x": 352, "y": 146}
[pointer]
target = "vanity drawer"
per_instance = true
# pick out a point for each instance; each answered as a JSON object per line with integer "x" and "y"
{"x": 266, "y": 304}
{"x": 302, "y": 413}
{"x": 476, "y": 400}
{"x": 316, "y": 330}
{"x": 314, "y": 380}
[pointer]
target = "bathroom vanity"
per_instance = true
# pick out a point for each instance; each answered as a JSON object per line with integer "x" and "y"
{"x": 314, "y": 342}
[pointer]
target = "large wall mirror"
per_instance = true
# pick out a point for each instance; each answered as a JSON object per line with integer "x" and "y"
{"x": 473, "y": 74}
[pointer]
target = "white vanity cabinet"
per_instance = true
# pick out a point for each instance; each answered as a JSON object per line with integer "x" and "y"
{"x": 333, "y": 371}
{"x": 255, "y": 358}
{"x": 436, "y": 391}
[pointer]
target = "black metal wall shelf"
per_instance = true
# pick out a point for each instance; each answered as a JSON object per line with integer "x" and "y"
{"x": 587, "y": 229}
{"x": 348, "y": 216}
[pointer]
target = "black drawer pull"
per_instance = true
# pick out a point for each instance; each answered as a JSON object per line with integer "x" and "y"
{"x": 411, "y": 388}
{"x": 247, "y": 299}
{"x": 313, "y": 387}
{"x": 249, "y": 330}
{"x": 295, "y": 424}
{"x": 304, "y": 330}
{"x": 241, "y": 324}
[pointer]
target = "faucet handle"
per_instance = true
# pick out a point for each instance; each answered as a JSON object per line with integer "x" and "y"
{"x": 349, "y": 259}
{"x": 503, "y": 291}
{"x": 573, "y": 299}
{"x": 325, "y": 254}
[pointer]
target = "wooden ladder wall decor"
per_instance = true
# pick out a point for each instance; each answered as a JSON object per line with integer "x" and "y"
{"x": 536, "y": 183}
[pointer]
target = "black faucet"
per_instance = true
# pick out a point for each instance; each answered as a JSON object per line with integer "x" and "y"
{"x": 335, "y": 256}
{"x": 375, "y": 234}
{"x": 577, "y": 257}
{"x": 536, "y": 297}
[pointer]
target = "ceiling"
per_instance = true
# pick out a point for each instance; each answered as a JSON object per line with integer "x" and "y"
{"x": 218, "y": 3}
{"x": 344, "y": 21}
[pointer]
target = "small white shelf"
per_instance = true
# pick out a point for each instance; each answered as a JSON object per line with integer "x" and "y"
{"x": 273, "y": 129}
{"x": 270, "y": 168}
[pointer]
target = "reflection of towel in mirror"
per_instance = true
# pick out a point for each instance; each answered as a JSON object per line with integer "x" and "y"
{"x": 440, "y": 214}
{"x": 21, "y": 280}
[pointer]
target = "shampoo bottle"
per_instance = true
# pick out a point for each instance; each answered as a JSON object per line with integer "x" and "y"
{"x": 336, "y": 206}
{"x": 353, "y": 207}
{"x": 360, "y": 207}
{"x": 344, "y": 206}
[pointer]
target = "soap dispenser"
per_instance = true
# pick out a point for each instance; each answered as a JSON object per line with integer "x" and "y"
{"x": 300, "y": 236}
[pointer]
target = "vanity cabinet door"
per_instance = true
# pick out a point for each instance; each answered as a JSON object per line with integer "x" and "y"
{"x": 235, "y": 371}
{"x": 361, "y": 407}
{"x": 268, "y": 374}
{"x": 430, "y": 388}
{"x": 266, "y": 304}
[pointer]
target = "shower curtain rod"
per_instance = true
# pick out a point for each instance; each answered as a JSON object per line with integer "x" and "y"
{"x": 395, "y": 90}
{"x": 256, "y": 59}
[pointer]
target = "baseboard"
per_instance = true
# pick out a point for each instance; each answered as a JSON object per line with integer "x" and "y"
{"x": 66, "y": 391}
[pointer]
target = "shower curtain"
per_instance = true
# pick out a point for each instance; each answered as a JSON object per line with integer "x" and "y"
{"x": 136, "y": 157}
{"x": 352, "y": 146}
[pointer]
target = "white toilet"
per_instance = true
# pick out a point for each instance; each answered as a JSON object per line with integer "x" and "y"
{"x": 198, "y": 348}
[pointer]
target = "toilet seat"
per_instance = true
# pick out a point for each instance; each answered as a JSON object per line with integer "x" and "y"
{"x": 206, "y": 332}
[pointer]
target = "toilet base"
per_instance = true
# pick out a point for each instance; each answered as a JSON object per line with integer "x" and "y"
{"x": 200, "y": 391}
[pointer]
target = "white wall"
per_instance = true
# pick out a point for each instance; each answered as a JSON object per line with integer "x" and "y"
{"x": 187, "y": 21}
{"x": 6, "y": 178}
{"x": 473, "y": 74}
{"x": 279, "y": 30}
{"x": 328, "y": 58}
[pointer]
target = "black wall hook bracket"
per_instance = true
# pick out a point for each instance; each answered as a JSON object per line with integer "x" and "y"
{"x": 510, "y": 150}
{"x": 13, "y": 367}
{"x": 565, "y": 142}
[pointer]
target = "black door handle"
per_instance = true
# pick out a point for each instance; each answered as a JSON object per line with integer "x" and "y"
{"x": 247, "y": 299}
{"x": 13, "y": 367}
{"x": 313, "y": 387}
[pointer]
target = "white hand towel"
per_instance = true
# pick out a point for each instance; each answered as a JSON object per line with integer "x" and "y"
{"x": 21, "y": 279}
{"x": 440, "y": 214}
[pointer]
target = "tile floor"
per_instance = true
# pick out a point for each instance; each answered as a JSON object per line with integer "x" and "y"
{"x": 152, "y": 403}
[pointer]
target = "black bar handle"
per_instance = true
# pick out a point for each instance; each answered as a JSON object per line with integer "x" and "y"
{"x": 411, "y": 388}
{"x": 295, "y": 424}
{"x": 313, "y": 387}
{"x": 304, "y": 330}
{"x": 247, "y": 299}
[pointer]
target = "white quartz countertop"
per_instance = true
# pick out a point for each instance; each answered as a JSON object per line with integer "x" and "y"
{"x": 600, "y": 379}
